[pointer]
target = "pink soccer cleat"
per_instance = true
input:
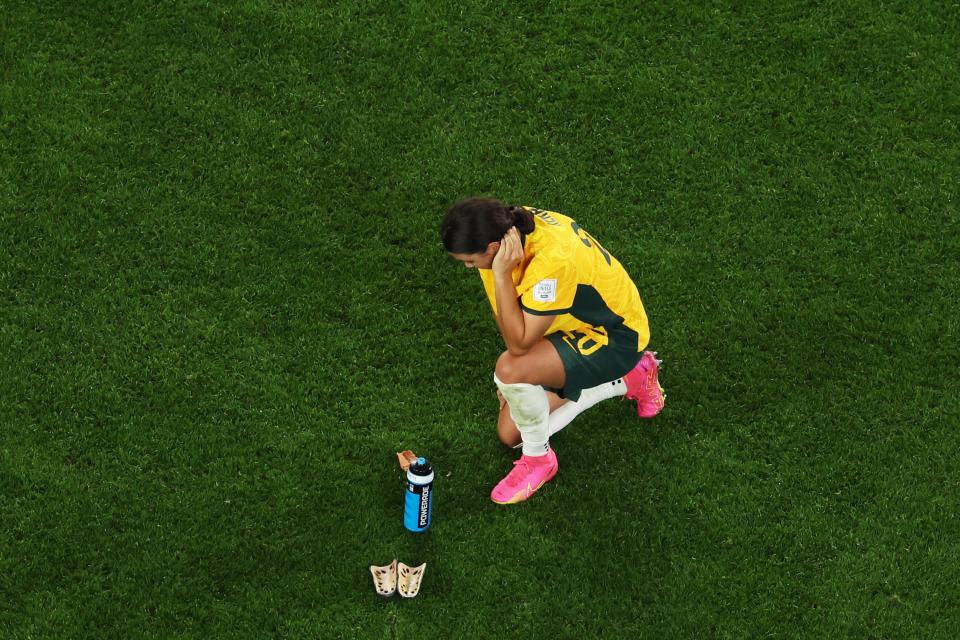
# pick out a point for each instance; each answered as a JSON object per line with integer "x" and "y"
{"x": 643, "y": 386}
{"x": 529, "y": 474}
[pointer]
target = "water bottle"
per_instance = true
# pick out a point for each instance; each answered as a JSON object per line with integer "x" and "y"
{"x": 418, "y": 502}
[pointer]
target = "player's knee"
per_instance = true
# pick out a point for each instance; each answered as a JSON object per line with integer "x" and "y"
{"x": 510, "y": 441}
{"x": 509, "y": 369}
{"x": 506, "y": 430}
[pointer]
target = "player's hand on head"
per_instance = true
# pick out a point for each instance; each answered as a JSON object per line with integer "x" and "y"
{"x": 510, "y": 252}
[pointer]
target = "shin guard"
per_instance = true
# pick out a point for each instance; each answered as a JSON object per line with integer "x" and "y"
{"x": 529, "y": 409}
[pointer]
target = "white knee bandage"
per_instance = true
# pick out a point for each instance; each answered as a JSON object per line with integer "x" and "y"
{"x": 529, "y": 409}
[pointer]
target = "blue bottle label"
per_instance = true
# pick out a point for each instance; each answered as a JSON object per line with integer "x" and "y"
{"x": 417, "y": 503}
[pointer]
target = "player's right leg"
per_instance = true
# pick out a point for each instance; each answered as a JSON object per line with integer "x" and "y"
{"x": 643, "y": 385}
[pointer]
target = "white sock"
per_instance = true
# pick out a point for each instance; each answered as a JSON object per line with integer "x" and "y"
{"x": 529, "y": 409}
{"x": 565, "y": 413}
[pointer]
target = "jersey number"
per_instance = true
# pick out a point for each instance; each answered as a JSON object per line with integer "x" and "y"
{"x": 590, "y": 241}
{"x": 586, "y": 344}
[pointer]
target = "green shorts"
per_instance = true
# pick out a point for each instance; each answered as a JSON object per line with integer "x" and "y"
{"x": 588, "y": 362}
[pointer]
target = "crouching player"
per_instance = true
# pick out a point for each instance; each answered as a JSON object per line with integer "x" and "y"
{"x": 571, "y": 318}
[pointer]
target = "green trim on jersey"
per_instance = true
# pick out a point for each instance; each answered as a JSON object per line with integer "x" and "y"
{"x": 588, "y": 306}
{"x": 551, "y": 312}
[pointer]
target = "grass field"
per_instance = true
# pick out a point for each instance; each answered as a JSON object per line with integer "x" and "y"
{"x": 225, "y": 306}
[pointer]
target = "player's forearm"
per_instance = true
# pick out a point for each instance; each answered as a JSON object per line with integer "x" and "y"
{"x": 509, "y": 315}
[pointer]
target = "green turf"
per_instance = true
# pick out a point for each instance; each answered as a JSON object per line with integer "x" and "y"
{"x": 225, "y": 307}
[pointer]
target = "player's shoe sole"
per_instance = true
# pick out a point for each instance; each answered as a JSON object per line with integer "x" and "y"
{"x": 643, "y": 385}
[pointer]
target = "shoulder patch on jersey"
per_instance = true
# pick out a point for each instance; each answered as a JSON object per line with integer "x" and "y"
{"x": 545, "y": 290}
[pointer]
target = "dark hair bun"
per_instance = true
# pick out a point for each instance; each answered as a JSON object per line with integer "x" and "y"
{"x": 522, "y": 219}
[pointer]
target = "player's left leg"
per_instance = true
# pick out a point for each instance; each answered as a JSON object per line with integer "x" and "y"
{"x": 507, "y": 428}
{"x": 521, "y": 379}
{"x": 562, "y": 411}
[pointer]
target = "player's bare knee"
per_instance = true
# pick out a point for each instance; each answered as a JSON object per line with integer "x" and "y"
{"x": 507, "y": 430}
{"x": 508, "y": 433}
{"x": 509, "y": 369}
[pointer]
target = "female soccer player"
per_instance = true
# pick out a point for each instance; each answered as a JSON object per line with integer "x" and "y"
{"x": 572, "y": 321}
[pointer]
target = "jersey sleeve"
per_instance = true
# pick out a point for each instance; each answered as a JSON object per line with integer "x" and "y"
{"x": 550, "y": 290}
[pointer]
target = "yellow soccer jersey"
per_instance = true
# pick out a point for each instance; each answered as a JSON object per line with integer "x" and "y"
{"x": 565, "y": 272}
